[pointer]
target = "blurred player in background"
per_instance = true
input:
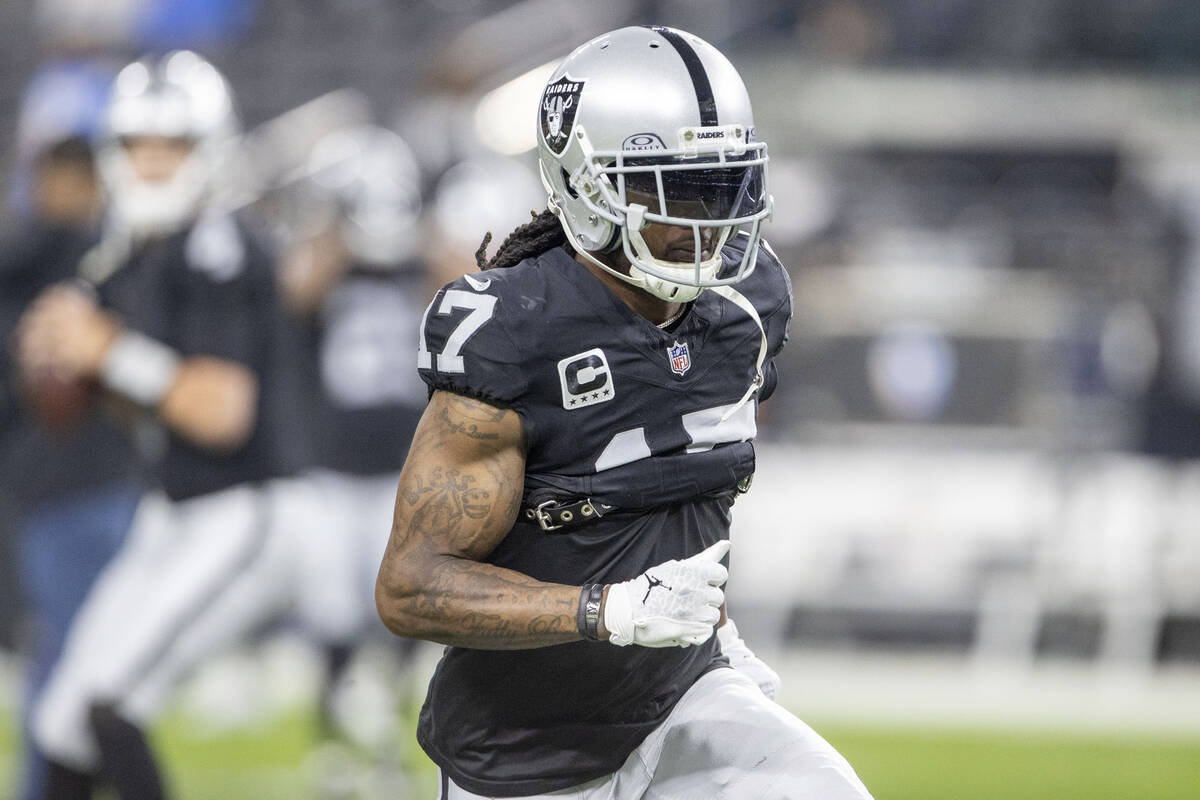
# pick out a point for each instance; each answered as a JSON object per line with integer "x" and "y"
{"x": 69, "y": 467}
{"x": 355, "y": 286}
{"x": 563, "y": 516}
{"x": 476, "y": 196}
{"x": 180, "y": 331}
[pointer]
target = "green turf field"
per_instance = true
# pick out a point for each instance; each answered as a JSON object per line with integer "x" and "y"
{"x": 967, "y": 764}
{"x": 267, "y": 763}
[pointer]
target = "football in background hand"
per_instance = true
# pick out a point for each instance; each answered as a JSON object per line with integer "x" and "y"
{"x": 59, "y": 403}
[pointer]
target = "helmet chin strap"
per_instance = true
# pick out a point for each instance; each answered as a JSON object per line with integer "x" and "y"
{"x": 739, "y": 300}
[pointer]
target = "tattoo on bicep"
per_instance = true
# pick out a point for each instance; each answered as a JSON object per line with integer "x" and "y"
{"x": 508, "y": 488}
{"x": 476, "y": 409}
{"x": 470, "y": 430}
{"x": 440, "y": 505}
{"x": 465, "y": 416}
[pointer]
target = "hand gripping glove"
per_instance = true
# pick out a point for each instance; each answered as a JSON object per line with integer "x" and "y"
{"x": 742, "y": 659}
{"x": 674, "y": 604}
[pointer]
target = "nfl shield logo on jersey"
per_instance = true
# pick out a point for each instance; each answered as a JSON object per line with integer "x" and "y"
{"x": 681, "y": 360}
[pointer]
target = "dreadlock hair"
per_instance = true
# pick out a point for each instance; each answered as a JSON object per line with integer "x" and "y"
{"x": 543, "y": 232}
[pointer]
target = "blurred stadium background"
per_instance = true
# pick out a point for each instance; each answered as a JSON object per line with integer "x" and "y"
{"x": 973, "y": 546}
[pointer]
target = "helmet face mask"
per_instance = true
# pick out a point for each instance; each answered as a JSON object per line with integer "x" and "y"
{"x": 148, "y": 205}
{"x": 615, "y": 160}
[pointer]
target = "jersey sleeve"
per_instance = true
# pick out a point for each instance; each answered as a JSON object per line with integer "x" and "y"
{"x": 466, "y": 344}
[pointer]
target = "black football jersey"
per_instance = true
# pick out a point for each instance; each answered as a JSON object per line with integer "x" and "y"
{"x": 649, "y": 421}
{"x": 364, "y": 400}
{"x": 209, "y": 290}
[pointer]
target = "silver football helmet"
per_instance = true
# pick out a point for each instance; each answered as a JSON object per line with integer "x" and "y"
{"x": 652, "y": 124}
{"x": 178, "y": 96}
{"x": 366, "y": 177}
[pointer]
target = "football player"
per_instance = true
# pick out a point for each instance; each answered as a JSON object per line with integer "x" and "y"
{"x": 179, "y": 330}
{"x": 562, "y": 519}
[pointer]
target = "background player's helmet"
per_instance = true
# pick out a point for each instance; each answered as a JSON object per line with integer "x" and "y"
{"x": 653, "y": 124}
{"x": 182, "y": 96}
{"x": 484, "y": 194}
{"x": 365, "y": 180}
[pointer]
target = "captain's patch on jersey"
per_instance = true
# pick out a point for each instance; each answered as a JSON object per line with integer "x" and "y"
{"x": 681, "y": 359}
{"x": 586, "y": 379}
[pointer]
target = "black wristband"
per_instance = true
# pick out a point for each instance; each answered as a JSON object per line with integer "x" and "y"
{"x": 588, "y": 617}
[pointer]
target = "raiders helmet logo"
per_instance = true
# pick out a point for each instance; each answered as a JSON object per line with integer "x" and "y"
{"x": 560, "y": 103}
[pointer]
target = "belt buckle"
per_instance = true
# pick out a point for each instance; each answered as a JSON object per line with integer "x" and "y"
{"x": 544, "y": 519}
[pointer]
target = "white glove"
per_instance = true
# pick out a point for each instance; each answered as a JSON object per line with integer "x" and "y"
{"x": 742, "y": 659}
{"x": 674, "y": 604}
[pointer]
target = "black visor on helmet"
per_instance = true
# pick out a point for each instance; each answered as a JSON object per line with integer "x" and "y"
{"x": 701, "y": 188}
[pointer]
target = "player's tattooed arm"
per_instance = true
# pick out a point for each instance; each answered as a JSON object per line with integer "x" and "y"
{"x": 459, "y": 495}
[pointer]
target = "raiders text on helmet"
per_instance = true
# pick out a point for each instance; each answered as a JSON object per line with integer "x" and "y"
{"x": 653, "y": 124}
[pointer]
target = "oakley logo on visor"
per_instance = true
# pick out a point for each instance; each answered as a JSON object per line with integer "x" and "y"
{"x": 643, "y": 141}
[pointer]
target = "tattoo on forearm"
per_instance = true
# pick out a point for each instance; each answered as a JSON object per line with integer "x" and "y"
{"x": 453, "y": 582}
{"x": 476, "y": 624}
{"x": 551, "y": 623}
